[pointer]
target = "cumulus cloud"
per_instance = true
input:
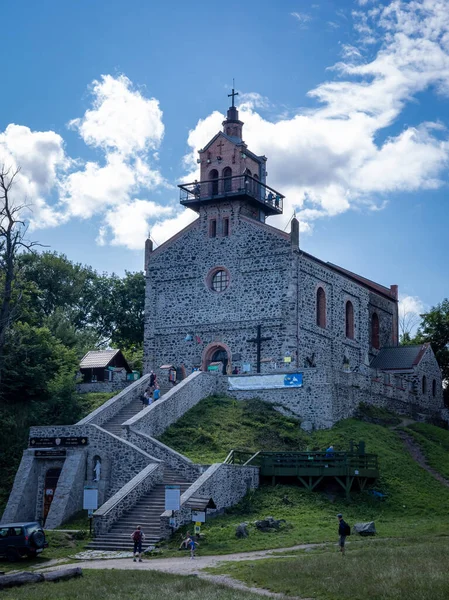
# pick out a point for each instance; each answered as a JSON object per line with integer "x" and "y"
{"x": 330, "y": 159}
{"x": 127, "y": 129}
{"x": 128, "y": 224}
{"x": 121, "y": 119}
{"x": 326, "y": 160}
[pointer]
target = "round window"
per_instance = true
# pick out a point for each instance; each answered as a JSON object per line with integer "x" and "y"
{"x": 218, "y": 280}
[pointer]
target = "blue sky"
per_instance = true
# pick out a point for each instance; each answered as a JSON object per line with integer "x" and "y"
{"x": 104, "y": 105}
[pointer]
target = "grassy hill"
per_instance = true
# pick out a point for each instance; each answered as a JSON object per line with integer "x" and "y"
{"x": 415, "y": 504}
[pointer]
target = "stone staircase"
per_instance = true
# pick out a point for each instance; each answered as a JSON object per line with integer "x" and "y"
{"x": 146, "y": 513}
{"x": 114, "y": 425}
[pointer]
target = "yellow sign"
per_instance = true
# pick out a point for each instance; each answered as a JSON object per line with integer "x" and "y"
{"x": 198, "y": 524}
{"x": 287, "y": 359}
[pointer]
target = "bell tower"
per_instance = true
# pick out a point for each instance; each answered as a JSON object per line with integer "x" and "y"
{"x": 230, "y": 172}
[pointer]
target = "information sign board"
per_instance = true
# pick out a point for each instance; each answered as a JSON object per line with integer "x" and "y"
{"x": 90, "y": 498}
{"x": 172, "y": 497}
{"x": 199, "y": 516}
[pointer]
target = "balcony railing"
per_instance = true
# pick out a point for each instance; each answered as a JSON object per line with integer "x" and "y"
{"x": 239, "y": 185}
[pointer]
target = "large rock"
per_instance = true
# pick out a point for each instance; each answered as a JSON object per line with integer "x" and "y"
{"x": 364, "y": 528}
{"x": 268, "y": 524}
{"x": 242, "y": 531}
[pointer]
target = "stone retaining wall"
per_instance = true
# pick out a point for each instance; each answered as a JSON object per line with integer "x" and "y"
{"x": 109, "y": 409}
{"x": 126, "y": 460}
{"x": 225, "y": 484}
{"x": 198, "y": 385}
{"x": 311, "y": 403}
{"x": 181, "y": 464}
{"x": 127, "y": 497}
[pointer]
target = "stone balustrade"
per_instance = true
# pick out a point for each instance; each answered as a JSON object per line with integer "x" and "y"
{"x": 127, "y": 497}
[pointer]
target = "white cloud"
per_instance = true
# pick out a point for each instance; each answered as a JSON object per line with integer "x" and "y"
{"x": 122, "y": 119}
{"x": 330, "y": 159}
{"x": 127, "y": 128}
{"x": 326, "y": 160}
{"x": 130, "y": 223}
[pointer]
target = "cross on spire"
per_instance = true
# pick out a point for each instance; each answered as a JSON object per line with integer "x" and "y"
{"x": 233, "y": 94}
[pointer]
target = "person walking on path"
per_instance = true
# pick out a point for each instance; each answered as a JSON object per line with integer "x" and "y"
{"x": 137, "y": 536}
{"x": 343, "y": 531}
{"x": 192, "y": 544}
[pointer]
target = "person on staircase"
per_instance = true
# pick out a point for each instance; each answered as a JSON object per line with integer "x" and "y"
{"x": 137, "y": 536}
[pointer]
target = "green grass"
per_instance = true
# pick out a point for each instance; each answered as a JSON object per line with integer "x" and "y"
{"x": 218, "y": 424}
{"x": 129, "y": 585}
{"x": 91, "y": 401}
{"x": 79, "y": 521}
{"x": 415, "y": 504}
{"x": 434, "y": 443}
{"x": 387, "y": 571}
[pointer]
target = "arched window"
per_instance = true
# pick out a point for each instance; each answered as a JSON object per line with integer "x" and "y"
{"x": 349, "y": 320}
{"x": 321, "y": 308}
{"x": 434, "y": 388}
{"x": 227, "y": 181}
{"x": 424, "y": 384}
{"x": 213, "y": 175}
{"x": 375, "y": 331}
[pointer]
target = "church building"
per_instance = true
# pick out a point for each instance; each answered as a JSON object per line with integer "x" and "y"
{"x": 230, "y": 291}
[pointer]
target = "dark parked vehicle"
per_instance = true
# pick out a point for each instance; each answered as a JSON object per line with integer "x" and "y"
{"x": 21, "y": 539}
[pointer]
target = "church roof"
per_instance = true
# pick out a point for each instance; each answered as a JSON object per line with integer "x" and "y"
{"x": 96, "y": 359}
{"x": 375, "y": 287}
{"x": 399, "y": 358}
{"x": 237, "y": 142}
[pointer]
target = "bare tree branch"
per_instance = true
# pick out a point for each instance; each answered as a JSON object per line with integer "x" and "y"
{"x": 13, "y": 229}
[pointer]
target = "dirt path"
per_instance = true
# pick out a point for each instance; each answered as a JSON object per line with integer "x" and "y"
{"x": 185, "y": 566}
{"x": 416, "y": 453}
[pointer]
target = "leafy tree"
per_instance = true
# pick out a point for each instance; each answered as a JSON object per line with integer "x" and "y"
{"x": 61, "y": 285}
{"x": 38, "y": 387}
{"x": 119, "y": 311}
{"x": 434, "y": 328}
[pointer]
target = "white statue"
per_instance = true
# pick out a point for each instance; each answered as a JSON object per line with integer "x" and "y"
{"x": 97, "y": 470}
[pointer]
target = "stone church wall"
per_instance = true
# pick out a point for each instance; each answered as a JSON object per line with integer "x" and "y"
{"x": 428, "y": 368}
{"x": 330, "y": 344}
{"x": 179, "y": 301}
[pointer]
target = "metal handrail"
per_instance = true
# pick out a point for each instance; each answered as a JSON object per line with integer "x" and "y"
{"x": 231, "y": 186}
{"x": 250, "y": 459}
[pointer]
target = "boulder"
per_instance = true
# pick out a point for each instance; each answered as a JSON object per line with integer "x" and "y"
{"x": 242, "y": 531}
{"x": 268, "y": 524}
{"x": 364, "y": 528}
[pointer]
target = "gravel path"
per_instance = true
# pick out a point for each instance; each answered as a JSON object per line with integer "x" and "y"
{"x": 185, "y": 566}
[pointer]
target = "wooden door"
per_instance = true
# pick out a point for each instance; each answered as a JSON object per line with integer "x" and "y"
{"x": 51, "y": 481}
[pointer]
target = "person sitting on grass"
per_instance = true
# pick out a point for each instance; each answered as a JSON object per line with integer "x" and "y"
{"x": 184, "y": 542}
